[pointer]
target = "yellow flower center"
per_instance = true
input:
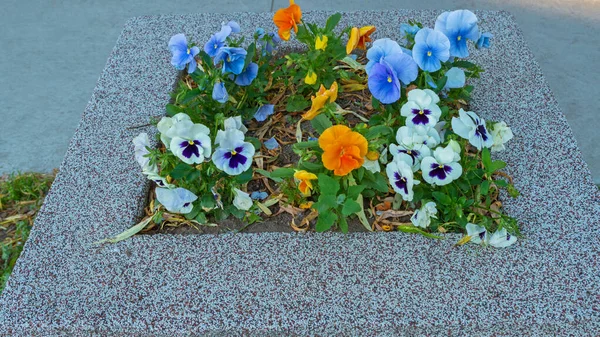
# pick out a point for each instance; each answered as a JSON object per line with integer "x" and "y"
{"x": 421, "y": 112}
{"x": 389, "y": 79}
{"x": 228, "y": 58}
{"x": 428, "y": 53}
{"x": 409, "y": 152}
{"x": 191, "y": 142}
{"x": 233, "y": 153}
{"x": 216, "y": 46}
{"x": 441, "y": 166}
{"x": 458, "y": 38}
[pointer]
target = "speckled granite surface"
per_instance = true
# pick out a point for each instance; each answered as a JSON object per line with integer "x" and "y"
{"x": 315, "y": 284}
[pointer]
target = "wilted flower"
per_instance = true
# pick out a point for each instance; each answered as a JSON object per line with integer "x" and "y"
{"x": 343, "y": 149}
{"x": 430, "y": 49}
{"x": 321, "y": 42}
{"x": 259, "y": 195}
{"x": 323, "y": 97}
{"x": 455, "y": 78}
{"x": 166, "y": 126}
{"x": 233, "y": 59}
{"x": 359, "y": 37}
{"x": 442, "y": 168}
{"x": 234, "y": 123}
{"x": 271, "y": 143}
{"x": 471, "y": 127}
{"x": 263, "y": 112}
{"x": 501, "y": 134}
{"x": 234, "y": 155}
{"x": 219, "y": 92}
{"x": 217, "y": 40}
{"x": 401, "y": 178}
{"x": 242, "y": 200}
{"x": 411, "y": 148}
{"x": 421, "y": 108}
{"x": 191, "y": 142}
{"x": 372, "y": 162}
{"x": 422, "y": 217}
{"x": 182, "y": 54}
{"x": 141, "y": 144}
{"x": 484, "y": 40}
{"x": 287, "y": 18}
{"x": 477, "y": 233}
{"x": 235, "y": 27}
{"x": 304, "y": 178}
{"x": 158, "y": 179}
{"x": 178, "y": 200}
{"x": 501, "y": 238}
{"x": 248, "y": 75}
{"x": 458, "y": 26}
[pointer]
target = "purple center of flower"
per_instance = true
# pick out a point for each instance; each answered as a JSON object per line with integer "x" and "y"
{"x": 481, "y": 132}
{"x": 401, "y": 182}
{"x": 159, "y": 182}
{"x": 235, "y": 157}
{"x": 482, "y": 235}
{"x": 439, "y": 171}
{"x": 186, "y": 204}
{"x": 412, "y": 153}
{"x": 421, "y": 116}
{"x": 190, "y": 148}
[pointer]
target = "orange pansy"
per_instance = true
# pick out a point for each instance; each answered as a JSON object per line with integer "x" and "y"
{"x": 323, "y": 97}
{"x": 359, "y": 38}
{"x": 287, "y": 18}
{"x": 344, "y": 149}
{"x": 304, "y": 177}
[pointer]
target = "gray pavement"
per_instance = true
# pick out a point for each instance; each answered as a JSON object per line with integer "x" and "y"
{"x": 55, "y": 50}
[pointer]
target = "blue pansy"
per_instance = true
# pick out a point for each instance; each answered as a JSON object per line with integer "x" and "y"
{"x": 233, "y": 59}
{"x": 271, "y": 143}
{"x": 248, "y": 75}
{"x": 459, "y": 26}
{"x": 389, "y": 53}
{"x": 263, "y": 112}
{"x": 217, "y": 41}
{"x": 235, "y": 27}
{"x": 456, "y": 78}
{"x": 407, "y": 30}
{"x": 384, "y": 84}
{"x": 259, "y": 195}
{"x": 269, "y": 41}
{"x": 182, "y": 54}
{"x": 380, "y": 49}
{"x": 430, "y": 49}
{"x": 484, "y": 40}
{"x": 312, "y": 139}
{"x": 219, "y": 93}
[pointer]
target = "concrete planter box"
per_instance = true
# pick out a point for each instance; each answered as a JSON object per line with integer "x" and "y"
{"x": 321, "y": 284}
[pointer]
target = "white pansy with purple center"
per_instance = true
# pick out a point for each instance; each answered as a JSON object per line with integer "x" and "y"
{"x": 166, "y": 126}
{"x": 141, "y": 143}
{"x": 230, "y": 123}
{"x": 421, "y": 108}
{"x": 234, "y": 155}
{"x": 410, "y": 148}
{"x": 501, "y": 134}
{"x": 442, "y": 168}
{"x": 422, "y": 217}
{"x": 501, "y": 238}
{"x": 191, "y": 142}
{"x": 242, "y": 200}
{"x": 401, "y": 178}
{"x": 157, "y": 179}
{"x": 469, "y": 126}
{"x": 478, "y": 234}
{"x": 177, "y": 200}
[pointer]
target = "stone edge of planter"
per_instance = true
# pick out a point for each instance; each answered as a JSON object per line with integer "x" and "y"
{"x": 276, "y": 283}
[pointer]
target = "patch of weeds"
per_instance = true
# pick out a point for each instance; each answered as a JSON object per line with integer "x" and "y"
{"x": 21, "y": 196}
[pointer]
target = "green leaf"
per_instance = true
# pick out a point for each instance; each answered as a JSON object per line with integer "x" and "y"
{"x": 442, "y": 198}
{"x": 497, "y": 165}
{"x": 512, "y": 191}
{"x": 268, "y": 175}
{"x": 207, "y": 201}
{"x": 283, "y": 172}
{"x": 311, "y": 167}
{"x": 354, "y": 191}
{"x": 343, "y": 224}
{"x": 332, "y": 21}
{"x": 181, "y": 170}
{"x": 325, "y": 203}
{"x": 441, "y": 83}
{"x": 378, "y": 131}
{"x": 416, "y": 230}
{"x": 297, "y": 103}
{"x": 376, "y": 181}
{"x": 307, "y": 145}
{"x": 255, "y": 142}
{"x": 244, "y": 177}
{"x": 320, "y": 123}
{"x": 197, "y": 208}
{"x": 325, "y": 221}
{"x": 251, "y": 50}
{"x": 501, "y": 183}
{"x": 464, "y": 64}
{"x": 328, "y": 185}
{"x": 486, "y": 158}
{"x": 485, "y": 187}
{"x": 350, "y": 207}
{"x": 173, "y": 110}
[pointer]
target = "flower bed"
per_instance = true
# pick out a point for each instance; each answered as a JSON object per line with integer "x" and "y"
{"x": 343, "y": 135}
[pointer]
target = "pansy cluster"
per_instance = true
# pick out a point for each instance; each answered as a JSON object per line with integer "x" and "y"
{"x": 380, "y": 131}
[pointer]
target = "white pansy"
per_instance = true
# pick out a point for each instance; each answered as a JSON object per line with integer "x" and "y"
{"x": 190, "y": 142}
{"x": 400, "y": 176}
{"x": 141, "y": 144}
{"x": 478, "y": 234}
{"x": 156, "y": 178}
{"x": 234, "y": 155}
{"x": 442, "y": 168}
{"x": 469, "y": 126}
{"x": 422, "y": 217}
{"x": 234, "y": 123}
{"x": 501, "y": 239}
{"x": 410, "y": 148}
{"x": 371, "y": 165}
{"x": 166, "y": 126}
{"x": 501, "y": 134}
{"x": 430, "y": 134}
{"x": 177, "y": 200}
{"x": 421, "y": 108}
{"x": 242, "y": 200}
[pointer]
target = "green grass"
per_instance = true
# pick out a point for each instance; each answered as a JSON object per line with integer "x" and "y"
{"x": 21, "y": 196}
